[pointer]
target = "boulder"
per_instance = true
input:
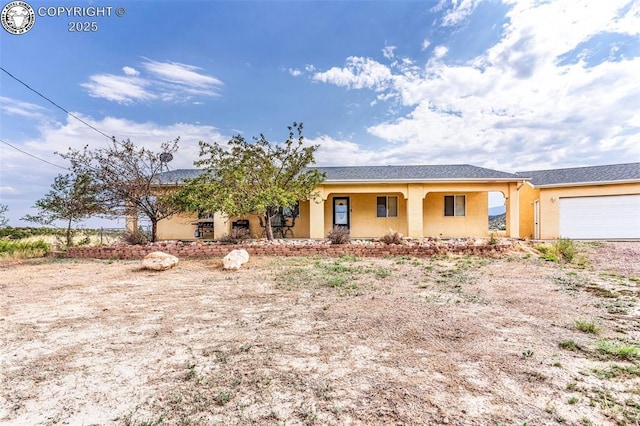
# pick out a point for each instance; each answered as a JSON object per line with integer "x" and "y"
{"x": 159, "y": 261}
{"x": 235, "y": 259}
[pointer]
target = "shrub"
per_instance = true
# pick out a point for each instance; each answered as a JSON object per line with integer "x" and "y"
{"x": 562, "y": 249}
{"x": 339, "y": 235}
{"x": 589, "y": 327}
{"x": 618, "y": 350}
{"x": 135, "y": 238}
{"x": 392, "y": 237}
{"x": 565, "y": 248}
{"x": 26, "y": 232}
{"x": 237, "y": 235}
{"x": 23, "y": 249}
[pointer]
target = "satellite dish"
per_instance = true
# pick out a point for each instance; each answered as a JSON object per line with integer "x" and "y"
{"x": 165, "y": 157}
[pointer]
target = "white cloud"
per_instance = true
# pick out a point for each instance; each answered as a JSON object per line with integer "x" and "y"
{"x": 358, "y": 73}
{"x": 117, "y": 88}
{"x": 17, "y": 169}
{"x": 187, "y": 75}
{"x": 350, "y": 153}
{"x": 460, "y": 10}
{"x": 440, "y": 51}
{"x": 514, "y": 106}
{"x": 425, "y": 45}
{"x": 130, "y": 71}
{"x": 388, "y": 52}
{"x": 166, "y": 81}
{"x": 295, "y": 72}
{"x": 20, "y": 108}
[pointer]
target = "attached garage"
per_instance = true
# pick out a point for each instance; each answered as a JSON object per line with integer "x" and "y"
{"x": 600, "y": 217}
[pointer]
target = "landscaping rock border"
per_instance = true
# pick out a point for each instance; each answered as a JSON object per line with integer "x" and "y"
{"x": 363, "y": 248}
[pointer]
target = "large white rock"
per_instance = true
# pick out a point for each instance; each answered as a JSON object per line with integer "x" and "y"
{"x": 159, "y": 261}
{"x": 235, "y": 259}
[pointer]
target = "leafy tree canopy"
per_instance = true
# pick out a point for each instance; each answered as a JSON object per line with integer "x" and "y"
{"x": 71, "y": 199}
{"x": 256, "y": 177}
{"x": 126, "y": 178}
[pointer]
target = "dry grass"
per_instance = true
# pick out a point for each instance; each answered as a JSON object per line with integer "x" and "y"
{"x": 456, "y": 340}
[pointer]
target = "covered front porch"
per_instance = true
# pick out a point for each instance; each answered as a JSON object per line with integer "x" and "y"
{"x": 415, "y": 210}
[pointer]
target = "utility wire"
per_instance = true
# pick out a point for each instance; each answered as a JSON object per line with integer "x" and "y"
{"x": 111, "y": 138}
{"x": 33, "y": 156}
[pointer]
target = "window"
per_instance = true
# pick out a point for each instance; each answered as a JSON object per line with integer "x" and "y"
{"x": 454, "y": 205}
{"x": 387, "y": 206}
{"x": 293, "y": 211}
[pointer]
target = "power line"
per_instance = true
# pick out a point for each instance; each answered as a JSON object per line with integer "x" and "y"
{"x": 111, "y": 138}
{"x": 33, "y": 156}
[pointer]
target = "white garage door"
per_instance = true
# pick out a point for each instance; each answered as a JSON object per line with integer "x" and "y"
{"x": 607, "y": 217}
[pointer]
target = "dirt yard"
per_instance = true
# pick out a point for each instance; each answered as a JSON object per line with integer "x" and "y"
{"x": 447, "y": 340}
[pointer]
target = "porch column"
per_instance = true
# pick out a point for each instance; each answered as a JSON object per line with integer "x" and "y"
{"x": 131, "y": 219}
{"x": 415, "y": 204}
{"x": 513, "y": 211}
{"x": 316, "y": 218}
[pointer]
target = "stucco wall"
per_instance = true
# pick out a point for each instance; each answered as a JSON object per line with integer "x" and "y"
{"x": 427, "y": 216}
{"x": 474, "y": 223}
{"x": 364, "y": 220}
{"x": 528, "y": 196}
{"x": 182, "y": 227}
{"x": 550, "y": 205}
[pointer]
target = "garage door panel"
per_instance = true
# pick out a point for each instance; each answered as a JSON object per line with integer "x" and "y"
{"x": 607, "y": 217}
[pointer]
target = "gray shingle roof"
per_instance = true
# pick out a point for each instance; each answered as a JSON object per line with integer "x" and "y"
{"x": 456, "y": 172}
{"x": 584, "y": 175}
{"x": 415, "y": 173}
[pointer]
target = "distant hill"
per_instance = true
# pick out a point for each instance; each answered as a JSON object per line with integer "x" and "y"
{"x": 498, "y": 222}
{"x": 497, "y": 211}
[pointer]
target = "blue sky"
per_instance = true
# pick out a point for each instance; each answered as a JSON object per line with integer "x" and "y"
{"x": 510, "y": 85}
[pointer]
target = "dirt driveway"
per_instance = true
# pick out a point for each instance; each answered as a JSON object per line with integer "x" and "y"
{"x": 446, "y": 340}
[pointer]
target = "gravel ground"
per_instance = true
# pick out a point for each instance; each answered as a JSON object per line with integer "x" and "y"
{"x": 455, "y": 340}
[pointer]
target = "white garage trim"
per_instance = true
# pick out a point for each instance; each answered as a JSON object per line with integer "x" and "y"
{"x": 601, "y": 217}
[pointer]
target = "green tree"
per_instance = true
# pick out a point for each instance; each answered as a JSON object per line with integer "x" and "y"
{"x": 252, "y": 177}
{"x": 71, "y": 199}
{"x": 127, "y": 179}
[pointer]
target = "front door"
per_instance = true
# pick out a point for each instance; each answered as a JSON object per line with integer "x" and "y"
{"x": 341, "y": 211}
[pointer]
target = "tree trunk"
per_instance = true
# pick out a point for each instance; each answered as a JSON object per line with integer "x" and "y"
{"x": 267, "y": 226}
{"x": 154, "y": 230}
{"x": 69, "y": 237}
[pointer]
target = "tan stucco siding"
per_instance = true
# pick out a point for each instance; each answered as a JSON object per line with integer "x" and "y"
{"x": 474, "y": 223}
{"x": 417, "y": 216}
{"x": 364, "y": 222}
{"x": 550, "y": 205}
{"x": 182, "y": 227}
{"x": 528, "y": 196}
{"x": 301, "y": 228}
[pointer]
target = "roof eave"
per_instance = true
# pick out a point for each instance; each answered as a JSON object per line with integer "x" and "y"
{"x": 396, "y": 181}
{"x": 572, "y": 184}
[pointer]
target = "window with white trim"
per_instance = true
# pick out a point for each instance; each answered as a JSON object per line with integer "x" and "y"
{"x": 455, "y": 205}
{"x": 387, "y": 206}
